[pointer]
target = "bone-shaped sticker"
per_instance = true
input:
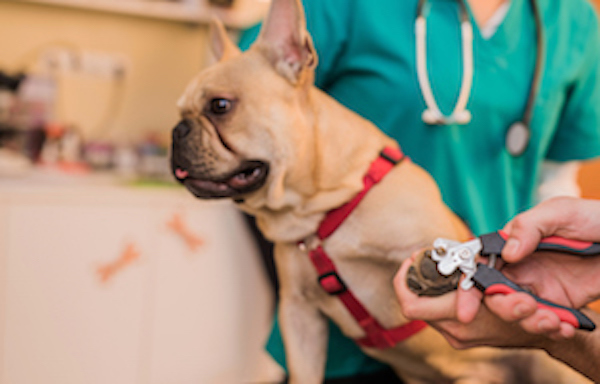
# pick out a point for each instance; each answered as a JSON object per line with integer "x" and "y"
{"x": 126, "y": 258}
{"x": 180, "y": 228}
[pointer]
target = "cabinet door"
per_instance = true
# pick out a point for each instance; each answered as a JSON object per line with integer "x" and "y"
{"x": 62, "y": 323}
{"x": 213, "y": 304}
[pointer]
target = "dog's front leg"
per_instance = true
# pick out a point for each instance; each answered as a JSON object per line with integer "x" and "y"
{"x": 304, "y": 331}
{"x": 303, "y": 326}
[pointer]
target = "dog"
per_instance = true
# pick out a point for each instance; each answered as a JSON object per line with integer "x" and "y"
{"x": 256, "y": 130}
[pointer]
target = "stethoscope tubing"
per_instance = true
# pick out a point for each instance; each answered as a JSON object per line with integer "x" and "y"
{"x": 423, "y": 76}
{"x": 539, "y": 65}
{"x": 435, "y": 115}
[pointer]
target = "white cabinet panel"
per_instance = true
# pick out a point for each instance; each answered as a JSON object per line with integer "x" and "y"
{"x": 62, "y": 324}
{"x": 212, "y": 303}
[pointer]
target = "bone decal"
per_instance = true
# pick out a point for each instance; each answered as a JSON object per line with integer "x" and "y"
{"x": 179, "y": 227}
{"x": 127, "y": 257}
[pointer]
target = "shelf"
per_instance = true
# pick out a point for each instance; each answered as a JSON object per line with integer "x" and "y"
{"x": 244, "y": 13}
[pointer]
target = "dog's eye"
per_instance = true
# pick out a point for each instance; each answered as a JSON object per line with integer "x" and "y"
{"x": 220, "y": 106}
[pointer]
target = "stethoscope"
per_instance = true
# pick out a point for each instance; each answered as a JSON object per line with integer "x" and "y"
{"x": 519, "y": 133}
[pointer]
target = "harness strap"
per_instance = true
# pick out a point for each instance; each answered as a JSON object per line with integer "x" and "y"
{"x": 376, "y": 335}
{"x": 387, "y": 159}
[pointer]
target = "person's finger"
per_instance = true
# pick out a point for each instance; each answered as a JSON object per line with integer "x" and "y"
{"x": 512, "y": 307}
{"x": 423, "y": 308}
{"x": 558, "y": 216}
{"x": 524, "y": 236}
{"x": 468, "y": 303}
{"x": 567, "y": 331}
{"x": 543, "y": 321}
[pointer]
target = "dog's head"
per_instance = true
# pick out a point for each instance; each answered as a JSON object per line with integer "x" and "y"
{"x": 241, "y": 117}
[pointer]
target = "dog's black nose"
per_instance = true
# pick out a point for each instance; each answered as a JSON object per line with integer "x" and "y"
{"x": 181, "y": 130}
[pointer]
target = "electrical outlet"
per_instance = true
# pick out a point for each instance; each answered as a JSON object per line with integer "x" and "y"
{"x": 58, "y": 59}
{"x": 103, "y": 64}
{"x": 84, "y": 62}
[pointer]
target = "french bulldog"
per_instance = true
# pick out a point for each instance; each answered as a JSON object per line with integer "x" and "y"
{"x": 256, "y": 130}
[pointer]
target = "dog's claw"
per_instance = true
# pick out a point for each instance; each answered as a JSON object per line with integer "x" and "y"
{"x": 424, "y": 279}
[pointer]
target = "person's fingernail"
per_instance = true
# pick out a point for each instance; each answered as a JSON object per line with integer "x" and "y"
{"x": 521, "y": 310}
{"x": 512, "y": 246}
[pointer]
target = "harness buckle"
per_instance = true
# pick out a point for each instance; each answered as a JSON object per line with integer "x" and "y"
{"x": 332, "y": 283}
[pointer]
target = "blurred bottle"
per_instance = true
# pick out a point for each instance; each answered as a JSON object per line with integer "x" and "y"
{"x": 26, "y": 105}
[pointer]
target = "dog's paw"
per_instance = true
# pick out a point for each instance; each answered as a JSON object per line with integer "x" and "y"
{"x": 424, "y": 279}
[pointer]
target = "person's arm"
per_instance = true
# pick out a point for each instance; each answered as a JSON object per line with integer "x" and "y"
{"x": 582, "y": 352}
{"x": 558, "y": 179}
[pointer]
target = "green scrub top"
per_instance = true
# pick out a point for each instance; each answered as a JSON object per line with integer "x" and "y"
{"x": 367, "y": 62}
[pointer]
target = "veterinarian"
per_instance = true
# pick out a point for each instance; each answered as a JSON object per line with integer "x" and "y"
{"x": 452, "y": 94}
{"x": 565, "y": 279}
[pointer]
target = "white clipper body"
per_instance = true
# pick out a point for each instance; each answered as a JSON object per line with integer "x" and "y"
{"x": 452, "y": 255}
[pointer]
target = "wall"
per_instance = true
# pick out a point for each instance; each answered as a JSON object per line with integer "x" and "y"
{"x": 162, "y": 57}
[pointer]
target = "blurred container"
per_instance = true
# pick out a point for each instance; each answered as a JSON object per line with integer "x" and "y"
{"x": 28, "y": 142}
{"x": 34, "y": 104}
{"x": 99, "y": 155}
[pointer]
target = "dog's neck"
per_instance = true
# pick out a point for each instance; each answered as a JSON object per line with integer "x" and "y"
{"x": 327, "y": 174}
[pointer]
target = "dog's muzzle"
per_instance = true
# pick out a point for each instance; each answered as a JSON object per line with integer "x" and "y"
{"x": 248, "y": 177}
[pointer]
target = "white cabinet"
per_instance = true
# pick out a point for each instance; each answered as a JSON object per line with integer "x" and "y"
{"x": 227, "y": 312}
{"x": 61, "y": 323}
{"x": 165, "y": 313}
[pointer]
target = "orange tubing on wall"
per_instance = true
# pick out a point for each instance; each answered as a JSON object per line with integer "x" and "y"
{"x": 589, "y": 180}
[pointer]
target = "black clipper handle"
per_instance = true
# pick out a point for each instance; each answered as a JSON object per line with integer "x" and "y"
{"x": 491, "y": 281}
{"x": 493, "y": 244}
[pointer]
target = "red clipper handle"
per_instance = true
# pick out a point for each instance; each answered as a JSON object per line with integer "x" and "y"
{"x": 491, "y": 281}
{"x": 493, "y": 243}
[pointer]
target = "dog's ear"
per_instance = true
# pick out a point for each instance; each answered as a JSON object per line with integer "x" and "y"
{"x": 286, "y": 42}
{"x": 222, "y": 46}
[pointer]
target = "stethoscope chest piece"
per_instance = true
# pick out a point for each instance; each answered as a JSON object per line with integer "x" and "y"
{"x": 517, "y": 138}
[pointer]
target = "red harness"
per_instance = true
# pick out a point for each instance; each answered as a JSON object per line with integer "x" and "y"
{"x": 376, "y": 335}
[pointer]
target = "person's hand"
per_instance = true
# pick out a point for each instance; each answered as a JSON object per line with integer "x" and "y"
{"x": 575, "y": 279}
{"x": 564, "y": 279}
{"x": 464, "y": 322}
{"x": 568, "y": 217}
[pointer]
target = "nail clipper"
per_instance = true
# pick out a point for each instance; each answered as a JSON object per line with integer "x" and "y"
{"x": 452, "y": 255}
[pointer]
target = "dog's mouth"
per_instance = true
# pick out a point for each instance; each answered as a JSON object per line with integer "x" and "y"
{"x": 248, "y": 177}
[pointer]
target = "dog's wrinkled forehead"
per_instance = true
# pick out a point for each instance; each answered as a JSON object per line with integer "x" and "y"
{"x": 212, "y": 82}
{"x": 245, "y": 77}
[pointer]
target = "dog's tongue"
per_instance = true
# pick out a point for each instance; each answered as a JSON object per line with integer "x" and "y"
{"x": 181, "y": 174}
{"x": 243, "y": 179}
